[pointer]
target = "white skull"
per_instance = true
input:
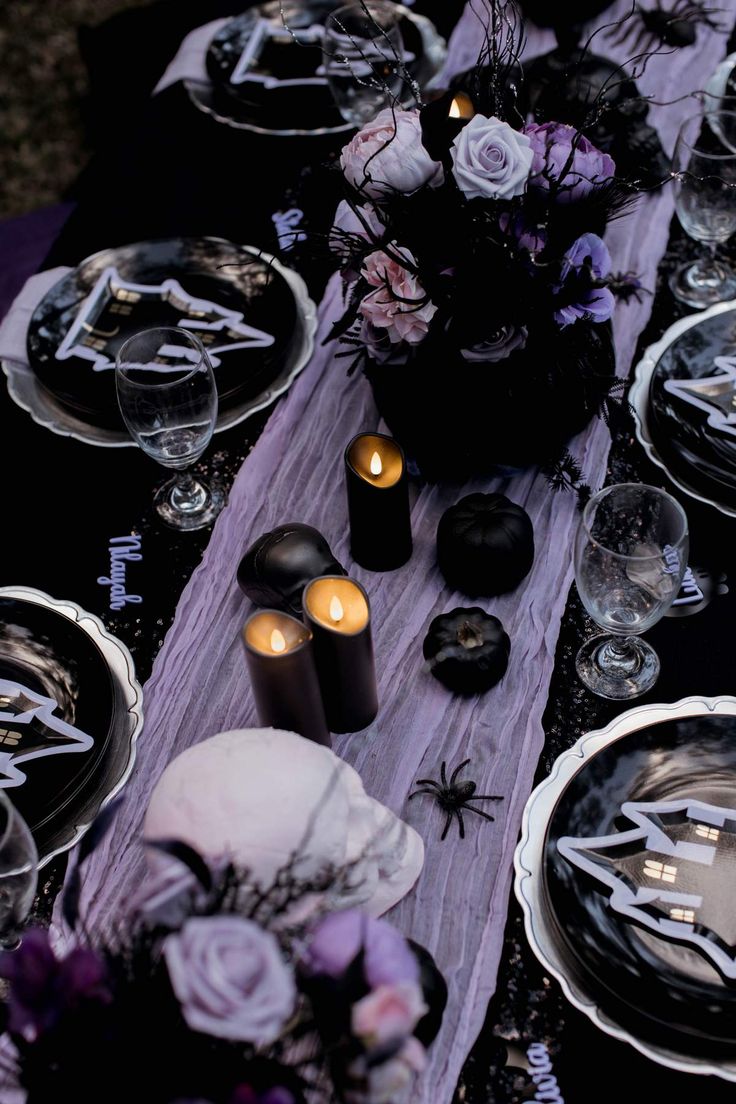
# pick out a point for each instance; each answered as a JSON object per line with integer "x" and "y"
{"x": 258, "y": 795}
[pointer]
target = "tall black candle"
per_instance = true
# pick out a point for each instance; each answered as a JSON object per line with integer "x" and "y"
{"x": 280, "y": 656}
{"x": 336, "y": 609}
{"x": 378, "y": 502}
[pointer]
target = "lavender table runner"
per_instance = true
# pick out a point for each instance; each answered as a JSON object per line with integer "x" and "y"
{"x": 199, "y": 684}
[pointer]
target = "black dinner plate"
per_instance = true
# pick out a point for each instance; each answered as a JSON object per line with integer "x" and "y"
{"x": 692, "y": 448}
{"x": 305, "y": 104}
{"x": 45, "y": 656}
{"x": 239, "y": 305}
{"x": 646, "y": 929}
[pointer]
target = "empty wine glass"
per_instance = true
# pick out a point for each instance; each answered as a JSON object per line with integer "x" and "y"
{"x": 18, "y": 872}
{"x": 704, "y": 171}
{"x": 168, "y": 398}
{"x": 362, "y": 55}
{"x": 630, "y": 557}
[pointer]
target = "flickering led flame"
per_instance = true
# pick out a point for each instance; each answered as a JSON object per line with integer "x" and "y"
{"x": 336, "y": 611}
{"x": 455, "y": 110}
{"x": 375, "y": 465}
{"x": 278, "y": 641}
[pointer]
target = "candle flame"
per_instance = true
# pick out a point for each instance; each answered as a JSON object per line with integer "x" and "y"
{"x": 455, "y": 112}
{"x": 278, "y": 641}
{"x": 376, "y": 466}
{"x": 336, "y": 611}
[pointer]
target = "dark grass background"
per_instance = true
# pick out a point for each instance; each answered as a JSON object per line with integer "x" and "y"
{"x": 42, "y": 85}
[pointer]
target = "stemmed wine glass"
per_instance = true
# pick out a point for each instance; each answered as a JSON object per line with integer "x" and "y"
{"x": 704, "y": 171}
{"x": 168, "y": 399}
{"x": 362, "y": 56}
{"x": 630, "y": 557}
{"x": 18, "y": 873}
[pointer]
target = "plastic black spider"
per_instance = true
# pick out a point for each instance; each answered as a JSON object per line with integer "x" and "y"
{"x": 676, "y": 27}
{"x": 454, "y": 796}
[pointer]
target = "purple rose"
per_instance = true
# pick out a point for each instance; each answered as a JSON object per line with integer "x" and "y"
{"x": 387, "y": 156}
{"x": 491, "y": 160}
{"x": 44, "y": 989}
{"x": 565, "y": 158}
{"x": 499, "y": 346}
{"x": 230, "y": 979}
{"x": 581, "y": 293}
{"x": 335, "y": 942}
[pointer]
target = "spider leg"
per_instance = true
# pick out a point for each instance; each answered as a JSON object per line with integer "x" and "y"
{"x": 443, "y": 773}
{"x": 618, "y": 39}
{"x": 446, "y": 829}
{"x": 421, "y": 793}
{"x": 461, "y": 822}
{"x": 485, "y": 797}
{"x": 457, "y": 770}
{"x": 428, "y": 782}
{"x": 470, "y": 809}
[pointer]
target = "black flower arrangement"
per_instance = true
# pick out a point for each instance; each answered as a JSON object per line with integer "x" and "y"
{"x": 478, "y": 287}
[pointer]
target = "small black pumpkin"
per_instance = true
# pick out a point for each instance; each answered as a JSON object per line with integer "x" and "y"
{"x": 467, "y": 650}
{"x": 277, "y": 567}
{"x": 485, "y": 545}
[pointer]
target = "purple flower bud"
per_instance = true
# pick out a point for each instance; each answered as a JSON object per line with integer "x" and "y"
{"x": 336, "y": 941}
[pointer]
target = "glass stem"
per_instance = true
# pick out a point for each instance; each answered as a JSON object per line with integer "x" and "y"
{"x": 188, "y": 496}
{"x": 618, "y": 657}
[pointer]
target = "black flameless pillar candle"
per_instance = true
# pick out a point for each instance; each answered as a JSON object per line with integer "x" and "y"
{"x": 280, "y": 656}
{"x": 378, "y": 502}
{"x": 336, "y": 609}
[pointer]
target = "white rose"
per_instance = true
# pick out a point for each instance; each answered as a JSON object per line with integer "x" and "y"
{"x": 491, "y": 160}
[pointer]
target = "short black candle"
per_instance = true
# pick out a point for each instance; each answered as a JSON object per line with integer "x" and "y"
{"x": 337, "y": 611}
{"x": 280, "y": 656}
{"x": 378, "y": 502}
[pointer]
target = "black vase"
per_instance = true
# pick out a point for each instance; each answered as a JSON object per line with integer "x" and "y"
{"x": 457, "y": 419}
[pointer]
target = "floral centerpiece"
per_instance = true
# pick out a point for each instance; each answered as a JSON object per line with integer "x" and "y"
{"x": 478, "y": 286}
{"x": 219, "y": 991}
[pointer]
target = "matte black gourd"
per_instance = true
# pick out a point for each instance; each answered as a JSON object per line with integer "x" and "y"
{"x": 467, "y": 650}
{"x": 485, "y": 545}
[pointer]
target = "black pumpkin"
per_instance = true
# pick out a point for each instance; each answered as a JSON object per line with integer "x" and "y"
{"x": 467, "y": 650}
{"x": 277, "y": 567}
{"x": 485, "y": 545}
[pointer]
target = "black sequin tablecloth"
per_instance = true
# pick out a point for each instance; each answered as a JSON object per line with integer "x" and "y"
{"x": 528, "y": 1006}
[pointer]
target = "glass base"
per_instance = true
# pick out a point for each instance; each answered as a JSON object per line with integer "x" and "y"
{"x": 196, "y": 508}
{"x": 617, "y": 667}
{"x": 702, "y": 285}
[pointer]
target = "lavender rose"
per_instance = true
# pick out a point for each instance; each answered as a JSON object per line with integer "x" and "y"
{"x": 501, "y": 344}
{"x": 580, "y": 292}
{"x": 230, "y": 979}
{"x": 565, "y": 158}
{"x": 335, "y": 942}
{"x": 389, "y": 1013}
{"x": 491, "y": 160}
{"x": 399, "y": 305}
{"x": 387, "y": 155}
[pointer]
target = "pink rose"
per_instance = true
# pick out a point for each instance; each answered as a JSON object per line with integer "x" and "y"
{"x": 387, "y": 1082}
{"x": 399, "y": 305}
{"x": 362, "y": 222}
{"x": 388, "y": 1013}
{"x": 387, "y": 155}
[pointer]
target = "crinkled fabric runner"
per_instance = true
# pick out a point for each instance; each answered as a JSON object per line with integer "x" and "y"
{"x": 199, "y": 684}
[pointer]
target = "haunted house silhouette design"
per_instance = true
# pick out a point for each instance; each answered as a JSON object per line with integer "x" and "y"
{"x": 30, "y": 730}
{"x": 673, "y": 874}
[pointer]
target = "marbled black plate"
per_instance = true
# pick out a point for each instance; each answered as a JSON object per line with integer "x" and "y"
{"x": 262, "y": 101}
{"x": 70, "y": 712}
{"x": 242, "y": 303}
{"x": 627, "y": 875}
